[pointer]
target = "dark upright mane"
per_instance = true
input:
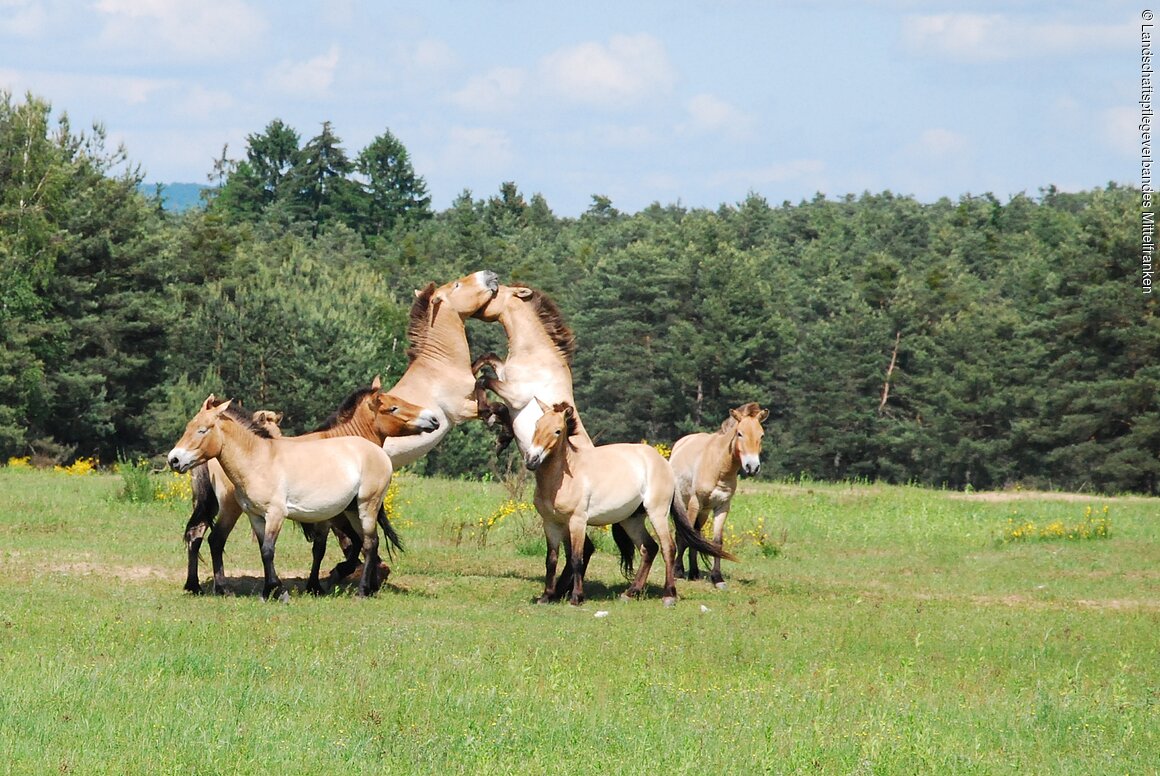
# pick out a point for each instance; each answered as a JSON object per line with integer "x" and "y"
{"x": 239, "y": 416}
{"x": 345, "y": 410}
{"x": 553, "y": 323}
{"x": 750, "y": 410}
{"x": 420, "y": 323}
{"x": 569, "y": 420}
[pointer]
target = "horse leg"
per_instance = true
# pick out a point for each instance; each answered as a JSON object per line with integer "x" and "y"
{"x": 719, "y": 515}
{"x": 368, "y": 512}
{"x": 565, "y": 580}
{"x": 268, "y": 528}
{"x": 317, "y": 551}
{"x": 681, "y": 508}
{"x": 227, "y": 519}
{"x": 634, "y": 527}
{"x": 698, "y": 522}
{"x": 205, "y": 509}
{"x": 554, "y": 533}
{"x": 350, "y": 540}
{"x": 658, "y": 515}
{"x": 193, "y": 538}
{"x": 577, "y": 526}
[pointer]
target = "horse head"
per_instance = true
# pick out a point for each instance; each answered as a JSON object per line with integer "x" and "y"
{"x": 553, "y": 428}
{"x": 747, "y": 437}
{"x": 202, "y": 439}
{"x": 269, "y": 420}
{"x": 466, "y": 296}
{"x": 504, "y": 296}
{"x": 395, "y": 416}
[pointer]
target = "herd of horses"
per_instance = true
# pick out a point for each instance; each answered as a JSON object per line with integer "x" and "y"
{"x": 334, "y": 479}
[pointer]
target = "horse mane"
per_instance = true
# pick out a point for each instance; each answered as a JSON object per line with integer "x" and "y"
{"x": 245, "y": 420}
{"x": 569, "y": 420}
{"x": 420, "y": 322}
{"x": 749, "y": 410}
{"x": 553, "y": 322}
{"x": 345, "y": 410}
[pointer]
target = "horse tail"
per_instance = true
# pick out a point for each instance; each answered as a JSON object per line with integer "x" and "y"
{"x": 389, "y": 532}
{"x": 205, "y": 503}
{"x": 695, "y": 541}
{"x": 627, "y": 549}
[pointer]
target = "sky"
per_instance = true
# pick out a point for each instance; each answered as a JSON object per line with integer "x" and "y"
{"x": 672, "y": 101}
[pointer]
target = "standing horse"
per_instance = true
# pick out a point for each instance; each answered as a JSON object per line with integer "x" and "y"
{"x": 605, "y": 485}
{"x": 438, "y": 374}
{"x": 706, "y": 467}
{"x": 538, "y": 368}
{"x": 309, "y": 481}
{"x": 366, "y": 413}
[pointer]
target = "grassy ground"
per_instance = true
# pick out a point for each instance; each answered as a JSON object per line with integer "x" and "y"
{"x": 866, "y": 629}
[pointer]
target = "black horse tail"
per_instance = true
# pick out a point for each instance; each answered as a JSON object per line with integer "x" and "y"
{"x": 695, "y": 541}
{"x": 205, "y": 504}
{"x": 389, "y": 532}
{"x": 627, "y": 550}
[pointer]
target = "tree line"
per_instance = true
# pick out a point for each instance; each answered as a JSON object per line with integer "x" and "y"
{"x": 971, "y": 342}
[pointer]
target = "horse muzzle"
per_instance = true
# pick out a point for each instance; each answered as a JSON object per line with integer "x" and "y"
{"x": 750, "y": 464}
{"x": 428, "y": 421}
{"x": 490, "y": 280}
{"x": 534, "y": 458}
{"x": 181, "y": 460}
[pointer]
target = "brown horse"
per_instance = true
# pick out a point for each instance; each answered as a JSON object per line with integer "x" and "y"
{"x": 365, "y": 413}
{"x": 706, "y": 467}
{"x": 604, "y": 485}
{"x": 309, "y": 481}
{"x": 438, "y": 375}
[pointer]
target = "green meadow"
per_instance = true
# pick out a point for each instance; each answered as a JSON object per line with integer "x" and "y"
{"x": 866, "y": 629}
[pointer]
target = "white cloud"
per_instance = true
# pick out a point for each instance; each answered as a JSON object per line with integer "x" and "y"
{"x": 624, "y": 71}
{"x": 312, "y": 78}
{"x": 711, "y": 114}
{"x": 68, "y": 87}
{"x": 22, "y": 18}
{"x": 478, "y": 150}
{"x": 202, "y": 103}
{"x": 207, "y": 28}
{"x": 971, "y": 37}
{"x": 496, "y": 90}
{"x": 941, "y": 143}
{"x": 1120, "y": 130}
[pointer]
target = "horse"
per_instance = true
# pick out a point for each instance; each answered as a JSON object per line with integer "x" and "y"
{"x": 367, "y": 413}
{"x": 538, "y": 364}
{"x": 706, "y": 467}
{"x": 538, "y": 368}
{"x": 604, "y": 485}
{"x": 309, "y": 481}
{"x": 438, "y": 374}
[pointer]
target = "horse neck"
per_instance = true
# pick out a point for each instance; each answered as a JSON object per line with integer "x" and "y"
{"x": 242, "y": 451}
{"x": 557, "y": 469}
{"x": 446, "y": 342}
{"x": 725, "y": 455}
{"x": 526, "y": 334}
{"x": 359, "y": 426}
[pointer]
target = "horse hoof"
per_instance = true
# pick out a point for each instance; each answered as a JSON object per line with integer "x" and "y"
{"x": 284, "y": 597}
{"x": 720, "y": 585}
{"x": 194, "y": 589}
{"x": 669, "y": 600}
{"x": 625, "y": 597}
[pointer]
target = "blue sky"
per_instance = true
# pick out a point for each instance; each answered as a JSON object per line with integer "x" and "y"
{"x": 692, "y": 102}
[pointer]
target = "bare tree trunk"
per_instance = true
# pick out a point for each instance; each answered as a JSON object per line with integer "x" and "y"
{"x": 889, "y": 371}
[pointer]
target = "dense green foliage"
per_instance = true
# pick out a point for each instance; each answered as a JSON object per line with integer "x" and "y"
{"x": 1023, "y": 349}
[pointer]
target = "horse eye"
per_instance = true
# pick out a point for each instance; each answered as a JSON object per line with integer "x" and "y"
{"x": 203, "y": 430}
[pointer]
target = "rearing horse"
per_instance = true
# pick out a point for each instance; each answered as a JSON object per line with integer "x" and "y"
{"x": 605, "y": 485}
{"x": 706, "y": 467}
{"x": 438, "y": 374}
{"x": 309, "y": 481}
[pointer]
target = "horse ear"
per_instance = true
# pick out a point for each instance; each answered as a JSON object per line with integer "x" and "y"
{"x": 522, "y": 293}
{"x": 225, "y": 405}
{"x": 376, "y": 384}
{"x": 764, "y": 414}
{"x": 735, "y": 415}
{"x": 569, "y": 411}
{"x": 210, "y": 402}
{"x": 277, "y": 418}
{"x": 545, "y": 407}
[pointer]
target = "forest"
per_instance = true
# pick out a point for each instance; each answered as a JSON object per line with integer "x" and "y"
{"x": 972, "y": 343}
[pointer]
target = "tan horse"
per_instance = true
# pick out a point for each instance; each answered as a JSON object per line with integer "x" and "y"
{"x": 309, "y": 481}
{"x": 365, "y": 413}
{"x": 538, "y": 367}
{"x": 706, "y": 467}
{"x": 604, "y": 485}
{"x": 438, "y": 374}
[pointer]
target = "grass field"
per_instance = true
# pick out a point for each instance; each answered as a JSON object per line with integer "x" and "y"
{"x": 866, "y": 629}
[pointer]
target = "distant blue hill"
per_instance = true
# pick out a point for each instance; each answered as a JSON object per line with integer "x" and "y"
{"x": 176, "y": 197}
